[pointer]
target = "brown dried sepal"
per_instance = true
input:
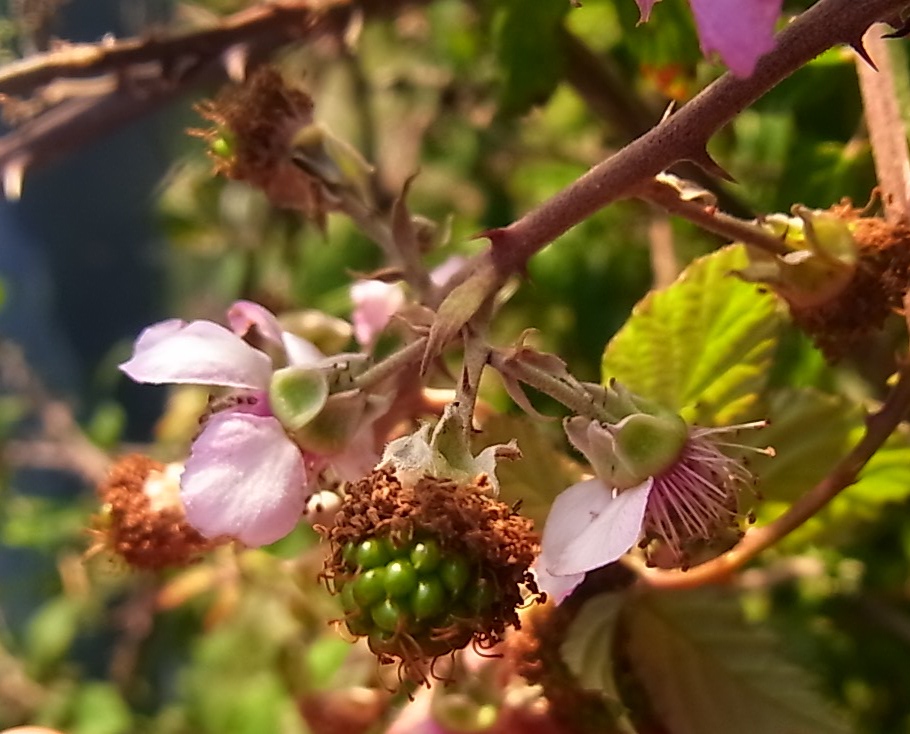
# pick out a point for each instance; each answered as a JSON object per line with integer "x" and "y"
{"x": 143, "y": 537}
{"x": 259, "y": 119}
{"x": 877, "y": 288}
{"x": 464, "y": 520}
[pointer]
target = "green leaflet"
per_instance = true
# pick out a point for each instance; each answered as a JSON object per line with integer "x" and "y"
{"x": 703, "y": 346}
{"x": 707, "y": 671}
{"x": 587, "y": 649}
{"x": 810, "y": 432}
{"x": 538, "y": 476}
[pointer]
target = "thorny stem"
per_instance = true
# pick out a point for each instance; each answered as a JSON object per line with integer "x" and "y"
{"x": 708, "y": 217}
{"x": 391, "y": 365}
{"x": 605, "y": 91}
{"x": 879, "y": 427}
{"x": 887, "y": 133}
{"x": 570, "y": 393}
{"x": 685, "y": 134}
{"x": 377, "y": 228}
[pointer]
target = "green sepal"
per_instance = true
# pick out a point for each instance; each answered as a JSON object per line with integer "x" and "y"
{"x": 297, "y": 395}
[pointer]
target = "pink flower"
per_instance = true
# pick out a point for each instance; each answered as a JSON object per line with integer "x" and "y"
{"x": 376, "y": 302}
{"x": 245, "y": 477}
{"x": 740, "y": 31}
{"x": 691, "y": 498}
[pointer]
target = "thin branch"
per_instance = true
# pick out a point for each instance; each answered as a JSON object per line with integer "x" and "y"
{"x": 708, "y": 217}
{"x": 887, "y": 132}
{"x": 178, "y": 64}
{"x": 62, "y": 444}
{"x": 276, "y": 20}
{"x": 685, "y": 134}
{"x": 664, "y": 263}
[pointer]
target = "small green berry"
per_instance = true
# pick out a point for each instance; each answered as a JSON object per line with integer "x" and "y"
{"x": 358, "y": 624}
{"x": 455, "y": 573}
{"x": 369, "y": 588}
{"x": 221, "y": 147}
{"x": 387, "y": 614}
{"x": 400, "y": 578}
{"x": 372, "y": 553}
{"x": 349, "y": 555}
{"x": 428, "y": 599}
{"x": 426, "y": 556}
{"x": 348, "y": 602}
{"x": 481, "y": 595}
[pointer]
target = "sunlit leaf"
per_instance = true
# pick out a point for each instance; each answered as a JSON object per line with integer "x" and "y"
{"x": 707, "y": 671}
{"x": 537, "y": 477}
{"x": 809, "y": 432}
{"x": 703, "y": 346}
{"x": 587, "y": 649}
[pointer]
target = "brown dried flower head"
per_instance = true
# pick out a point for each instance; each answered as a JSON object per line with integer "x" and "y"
{"x": 427, "y": 567}
{"x": 255, "y": 125}
{"x": 143, "y": 520}
{"x": 846, "y": 273}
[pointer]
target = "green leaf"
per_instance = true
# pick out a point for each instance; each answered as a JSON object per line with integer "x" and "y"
{"x": 528, "y": 49}
{"x": 99, "y": 709}
{"x": 51, "y": 631}
{"x": 703, "y": 346}
{"x": 587, "y": 649}
{"x": 809, "y": 432}
{"x": 707, "y": 671}
{"x": 539, "y": 475}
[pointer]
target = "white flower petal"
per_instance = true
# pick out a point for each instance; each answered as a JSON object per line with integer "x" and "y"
{"x": 245, "y": 479}
{"x": 588, "y": 528}
{"x": 556, "y": 587}
{"x": 200, "y": 353}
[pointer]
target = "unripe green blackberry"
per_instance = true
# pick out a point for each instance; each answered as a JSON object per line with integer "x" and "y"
{"x": 425, "y": 570}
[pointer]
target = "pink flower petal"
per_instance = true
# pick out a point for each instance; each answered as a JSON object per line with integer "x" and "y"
{"x": 588, "y": 528}
{"x": 244, "y": 315}
{"x": 375, "y": 303}
{"x": 442, "y": 273}
{"x": 245, "y": 479}
{"x": 301, "y": 353}
{"x": 741, "y": 31}
{"x": 358, "y": 457}
{"x": 201, "y": 353}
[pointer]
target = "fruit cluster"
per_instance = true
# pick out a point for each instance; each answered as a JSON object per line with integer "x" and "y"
{"x": 412, "y": 592}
